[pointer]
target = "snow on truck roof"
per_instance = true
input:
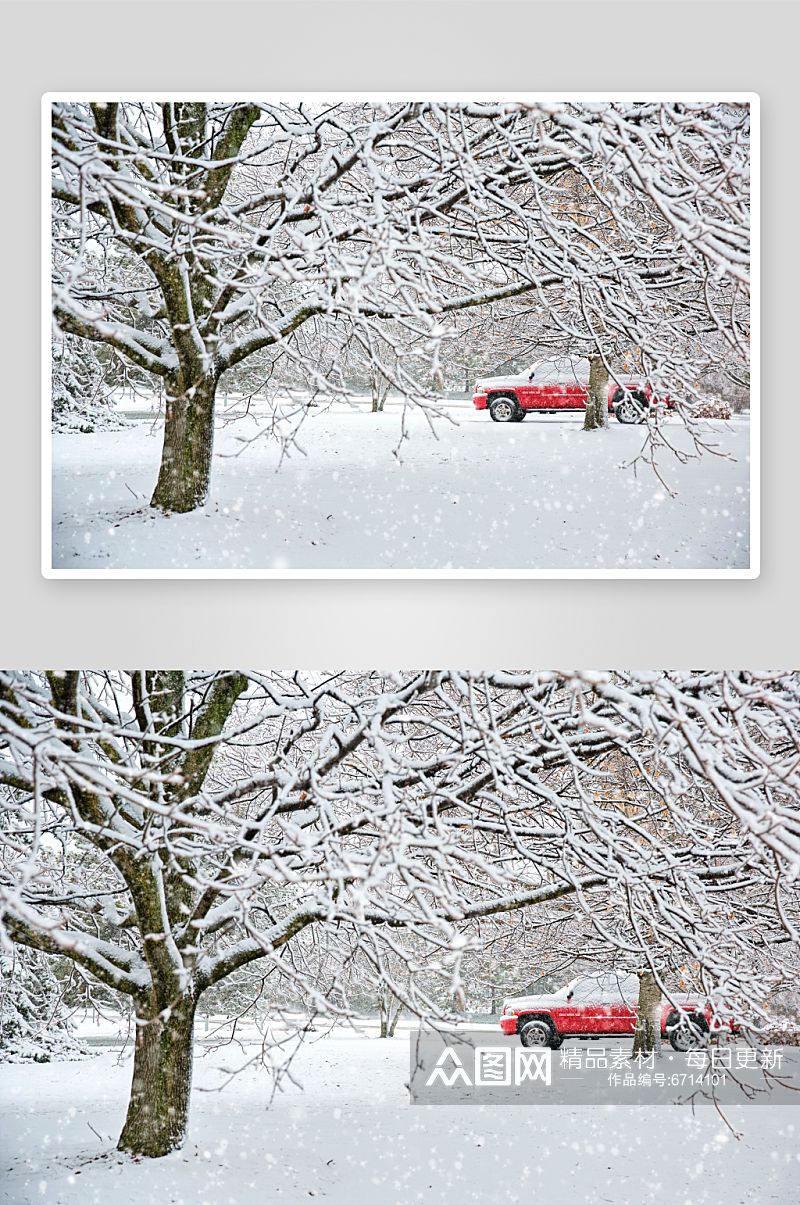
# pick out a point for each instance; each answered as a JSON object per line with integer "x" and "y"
{"x": 560, "y": 369}
{"x": 555, "y": 370}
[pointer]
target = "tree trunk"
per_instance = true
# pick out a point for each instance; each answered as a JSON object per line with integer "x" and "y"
{"x": 647, "y": 1034}
{"x": 597, "y": 401}
{"x": 380, "y": 387}
{"x": 388, "y": 1025}
{"x": 185, "y": 475}
{"x": 397, "y": 1013}
{"x": 162, "y": 1079}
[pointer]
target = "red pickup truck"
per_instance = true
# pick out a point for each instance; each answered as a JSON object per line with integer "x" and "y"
{"x": 602, "y": 1004}
{"x": 557, "y": 385}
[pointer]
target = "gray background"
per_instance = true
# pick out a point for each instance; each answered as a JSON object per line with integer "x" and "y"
{"x": 378, "y": 47}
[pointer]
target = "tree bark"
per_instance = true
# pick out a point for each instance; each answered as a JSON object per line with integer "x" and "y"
{"x": 185, "y": 475}
{"x": 158, "y": 1111}
{"x": 388, "y": 1025}
{"x": 380, "y": 387}
{"x": 597, "y": 400}
{"x": 647, "y": 1034}
{"x": 397, "y": 1013}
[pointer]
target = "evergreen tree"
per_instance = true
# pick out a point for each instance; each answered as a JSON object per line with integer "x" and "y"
{"x": 34, "y": 1023}
{"x": 81, "y": 398}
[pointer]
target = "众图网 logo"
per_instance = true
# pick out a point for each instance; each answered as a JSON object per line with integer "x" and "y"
{"x": 472, "y": 1067}
{"x": 492, "y": 1067}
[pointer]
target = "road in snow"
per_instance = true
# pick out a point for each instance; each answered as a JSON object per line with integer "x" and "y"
{"x": 532, "y": 496}
{"x": 352, "y": 1138}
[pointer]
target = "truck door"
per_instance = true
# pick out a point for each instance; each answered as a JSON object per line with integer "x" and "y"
{"x": 551, "y": 389}
{"x": 586, "y": 1010}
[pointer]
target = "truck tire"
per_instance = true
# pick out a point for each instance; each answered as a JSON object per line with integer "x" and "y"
{"x": 681, "y": 1035}
{"x": 504, "y": 408}
{"x": 540, "y": 1033}
{"x": 630, "y": 409}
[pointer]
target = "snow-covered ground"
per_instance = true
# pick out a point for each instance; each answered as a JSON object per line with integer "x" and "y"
{"x": 541, "y": 496}
{"x": 352, "y": 1137}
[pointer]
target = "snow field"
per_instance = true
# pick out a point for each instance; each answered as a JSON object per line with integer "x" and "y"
{"x": 351, "y": 1137}
{"x": 536, "y": 496}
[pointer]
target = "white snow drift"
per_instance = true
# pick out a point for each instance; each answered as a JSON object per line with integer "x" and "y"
{"x": 352, "y": 1138}
{"x": 541, "y": 496}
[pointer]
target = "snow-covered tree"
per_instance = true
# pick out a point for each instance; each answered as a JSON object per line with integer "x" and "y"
{"x": 35, "y": 1026}
{"x": 228, "y": 229}
{"x": 81, "y": 397}
{"x": 297, "y": 822}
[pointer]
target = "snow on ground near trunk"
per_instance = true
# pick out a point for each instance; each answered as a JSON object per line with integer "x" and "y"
{"x": 351, "y": 1137}
{"x": 534, "y": 496}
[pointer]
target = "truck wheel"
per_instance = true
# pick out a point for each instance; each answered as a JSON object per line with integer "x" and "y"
{"x": 504, "y": 409}
{"x": 539, "y": 1033}
{"x": 631, "y": 408}
{"x": 681, "y": 1034}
